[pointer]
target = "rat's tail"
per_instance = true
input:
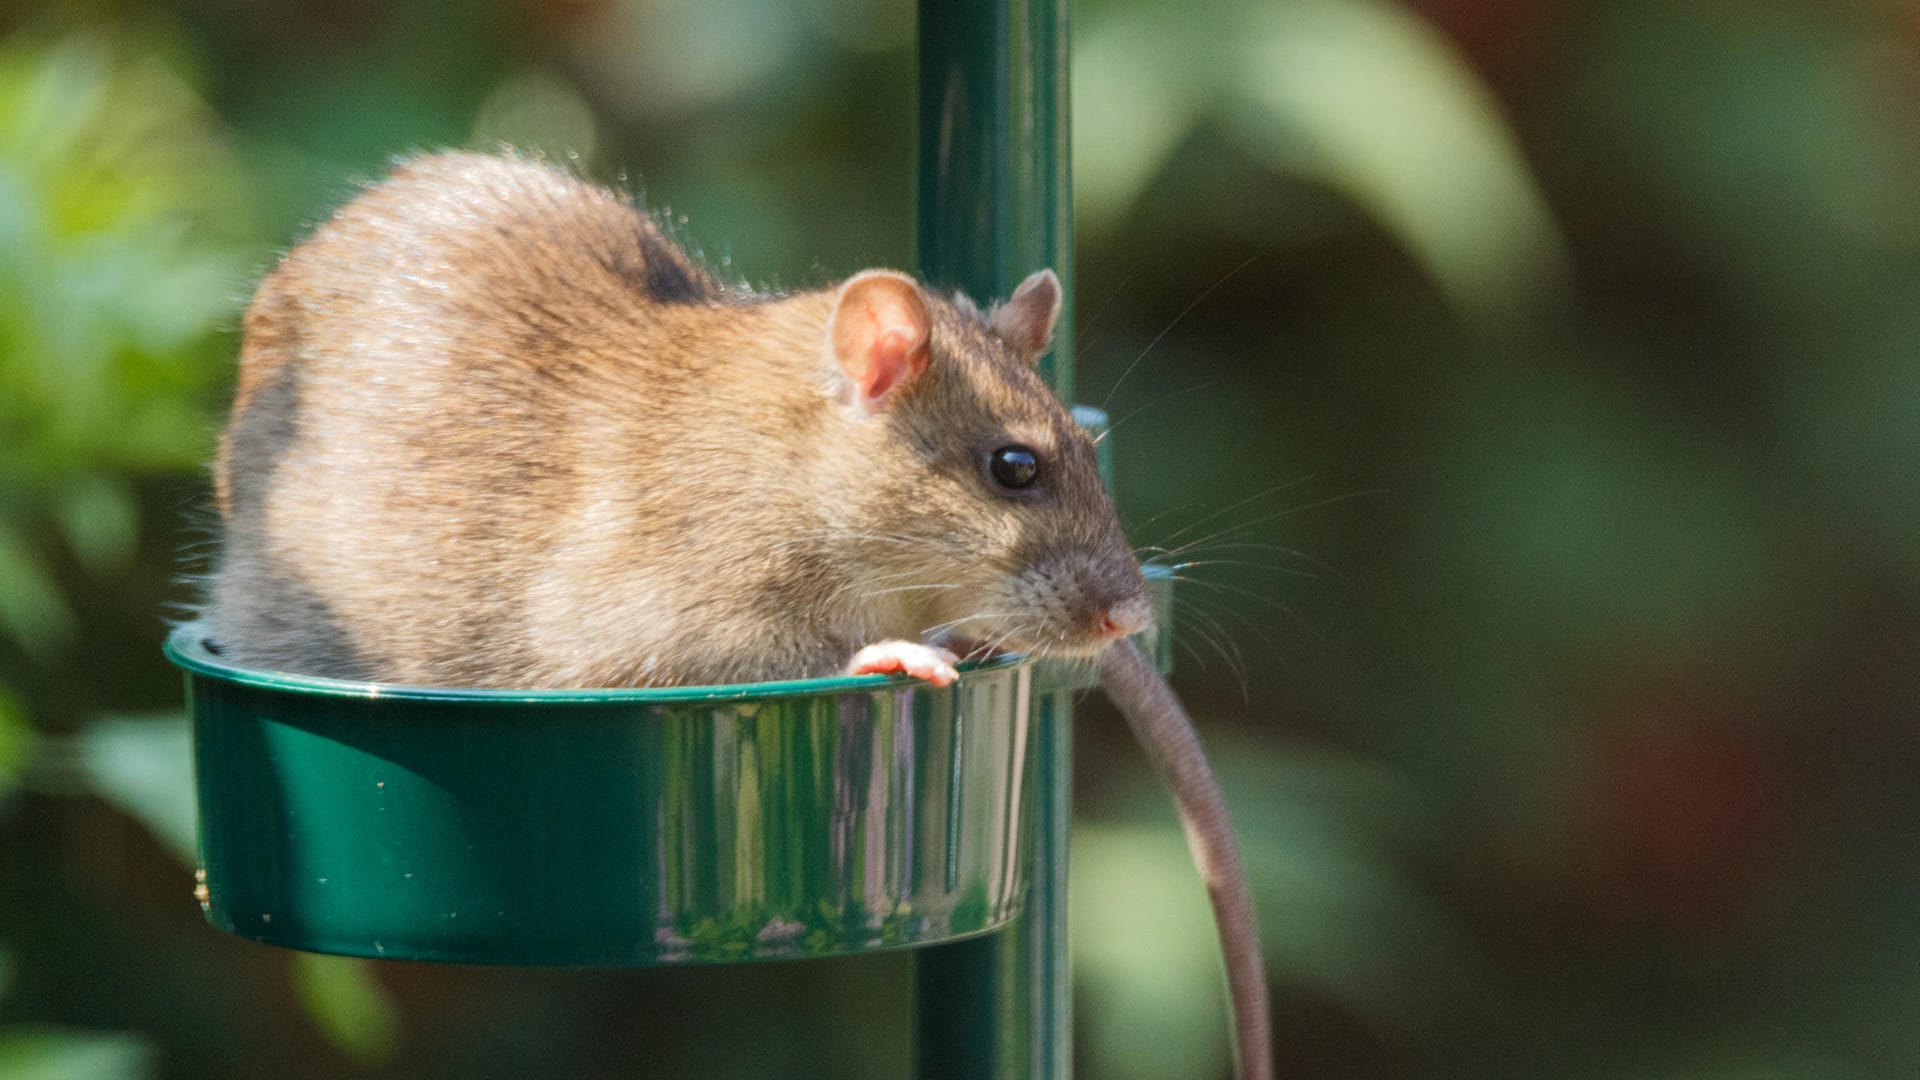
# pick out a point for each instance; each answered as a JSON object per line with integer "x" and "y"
{"x": 1164, "y": 730}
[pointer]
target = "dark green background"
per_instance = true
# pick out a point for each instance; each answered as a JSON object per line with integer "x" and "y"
{"x": 1542, "y": 381}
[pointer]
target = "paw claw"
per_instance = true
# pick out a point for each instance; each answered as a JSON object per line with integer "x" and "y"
{"x": 933, "y": 664}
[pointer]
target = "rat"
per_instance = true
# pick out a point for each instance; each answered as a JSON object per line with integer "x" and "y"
{"x": 493, "y": 427}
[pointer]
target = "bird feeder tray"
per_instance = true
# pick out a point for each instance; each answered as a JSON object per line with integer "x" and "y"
{"x": 608, "y": 827}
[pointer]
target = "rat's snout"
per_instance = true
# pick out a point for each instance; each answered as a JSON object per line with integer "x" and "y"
{"x": 1087, "y": 602}
{"x": 1126, "y": 617}
{"x": 1071, "y": 602}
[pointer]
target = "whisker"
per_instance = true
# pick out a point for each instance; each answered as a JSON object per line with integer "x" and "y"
{"x": 1243, "y": 670}
{"x": 1221, "y": 586}
{"x": 1171, "y": 509}
{"x": 1208, "y": 630}
{"x": 1212, "y": 637}
{"x": 1273, "y": 648}
{"x": 1184, "y": 312}
{"x": 903, "y": 588}
{"x": 939, "y": 628}
{"x": 1231, "y": 507}
{"x": 997, "y": 642}
{"x": 1243, "y": 562}
{"x": 876, "y": 579}
{"x": 1244, "y": 545}
{"x": 1163, "y": 398}
{"x": 1199, "y": 661}
{"x": 1293, "y": 616}
{"x": 1301, "y": 509}
{"x": 1086, "y": 331}
{"x": 1238, "y": 533}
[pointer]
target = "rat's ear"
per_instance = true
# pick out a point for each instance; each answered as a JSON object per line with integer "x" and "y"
{"x": 878, "y": 335}
{"x": 1026, "y": 320}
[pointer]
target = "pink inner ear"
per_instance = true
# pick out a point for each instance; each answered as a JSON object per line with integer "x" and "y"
{"x": 894, "y": 360}
{"x": 880, "y": 329}
{"x": 1026, "y": 319}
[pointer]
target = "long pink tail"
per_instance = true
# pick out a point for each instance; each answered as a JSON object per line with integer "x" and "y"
{"x": 1165, "y": 731}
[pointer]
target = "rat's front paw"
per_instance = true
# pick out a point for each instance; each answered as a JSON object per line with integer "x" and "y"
{"x": 920, "y": 661}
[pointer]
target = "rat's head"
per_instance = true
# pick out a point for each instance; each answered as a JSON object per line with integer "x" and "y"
{"x": 979, "y": 498}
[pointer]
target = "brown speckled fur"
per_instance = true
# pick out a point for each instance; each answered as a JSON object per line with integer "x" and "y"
{"x": 492, "y": 428}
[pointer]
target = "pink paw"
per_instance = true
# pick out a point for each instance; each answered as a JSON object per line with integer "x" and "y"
{"x": 920, "y": 661}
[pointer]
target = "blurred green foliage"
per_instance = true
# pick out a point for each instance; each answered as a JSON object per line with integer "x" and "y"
{"x": 52, "y": 1054}
{"x": 121, "y": 225}
{"x": 1533, "y": 390}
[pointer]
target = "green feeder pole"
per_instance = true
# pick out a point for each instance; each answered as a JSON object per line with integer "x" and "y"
{"x": 995, "y": 203}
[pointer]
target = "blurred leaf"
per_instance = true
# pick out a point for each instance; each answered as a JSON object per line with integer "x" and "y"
{"x": 1576, "y": 517}
{"x": 1327, "y": 838}
{"x": 1138, "y": 90}
{"x": 1323, "y": 837}
{"x": 865, "y": 25}
{"x": 17, "y": 742}
{"x": 1742, "y": 1063}
{"x": 32, "y": 611}
{"x": 1145, "y": 956}
{"x": 538, "y": 112}
{"x": 672, "y": 56}
{"x": 1776, "y": 147}
{"x": 349, "y": 1006}
{"x": 123, "y": 249}
{"x": 56, "y": 1054}
{"x": 1370, "y": 99}
{"x": 100, "y": 521}
{"x": 1856, "y": 419}
{"x": 1361, "y": 96}
{"x": 144, "y": 766}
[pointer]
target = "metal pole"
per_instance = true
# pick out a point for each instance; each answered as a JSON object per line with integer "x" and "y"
{"x": 995, "y": 203}
{"x": 995, "y": 187}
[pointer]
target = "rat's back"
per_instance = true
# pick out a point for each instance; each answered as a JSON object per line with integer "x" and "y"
{"x": 408, "y": 392}
{"x": 493, "y": 428}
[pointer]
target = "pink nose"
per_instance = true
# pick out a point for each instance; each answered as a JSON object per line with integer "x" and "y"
{"x": 1124, "y": 619}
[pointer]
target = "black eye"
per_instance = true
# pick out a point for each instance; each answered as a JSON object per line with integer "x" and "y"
{"x": 1014, "y": 467}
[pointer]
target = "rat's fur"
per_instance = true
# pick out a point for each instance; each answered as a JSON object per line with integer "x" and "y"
{"x": 494, "y": 429}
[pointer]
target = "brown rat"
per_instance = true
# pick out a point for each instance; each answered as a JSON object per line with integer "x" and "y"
{"x": 493, "y": 428}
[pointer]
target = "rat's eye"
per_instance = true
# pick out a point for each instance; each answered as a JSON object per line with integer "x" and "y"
{"x": 1015, "y": 467}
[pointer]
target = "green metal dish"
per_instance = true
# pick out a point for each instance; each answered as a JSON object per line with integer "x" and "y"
{"x": 609, "y": 827}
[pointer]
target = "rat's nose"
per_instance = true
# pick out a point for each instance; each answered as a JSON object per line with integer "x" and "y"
{"x": 1128, "y": 617}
